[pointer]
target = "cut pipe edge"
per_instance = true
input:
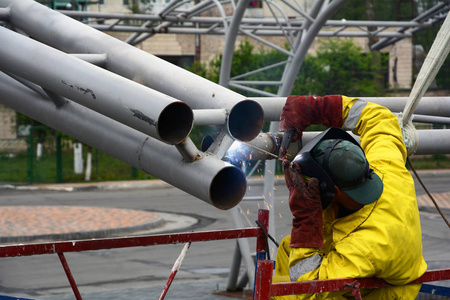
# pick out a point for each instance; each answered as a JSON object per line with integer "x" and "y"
{"x": 228, "y": 188}
{"x": 245, "y": 120}
{"x": 175, "y": 122}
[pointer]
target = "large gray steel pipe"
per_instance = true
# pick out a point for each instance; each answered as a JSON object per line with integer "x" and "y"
{"x": 71, "y": 36}
{"x": 209, "y": 179}
{"x": 126, "y": 101}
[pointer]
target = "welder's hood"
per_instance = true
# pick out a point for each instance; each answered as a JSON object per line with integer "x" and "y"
{"x": 336, "y": 159}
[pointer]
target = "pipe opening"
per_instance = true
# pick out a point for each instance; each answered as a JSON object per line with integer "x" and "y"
{"x": 175, "y": 122}
{"x": 228, "y": 188}
{"x": 245, "y": 120}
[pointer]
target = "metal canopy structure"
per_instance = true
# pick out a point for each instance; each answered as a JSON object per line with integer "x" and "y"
{"x": 288, "y": 19}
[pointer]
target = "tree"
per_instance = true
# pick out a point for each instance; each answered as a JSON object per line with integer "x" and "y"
{"x": 340, "y": 67}
{"x": 399, "y": 10}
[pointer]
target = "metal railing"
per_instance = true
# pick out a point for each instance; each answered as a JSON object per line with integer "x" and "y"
{"x": 60, "y": 248}
{"x": 264, "y": 288}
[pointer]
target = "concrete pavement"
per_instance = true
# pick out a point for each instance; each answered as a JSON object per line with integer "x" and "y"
{"x": 183, "y": 287}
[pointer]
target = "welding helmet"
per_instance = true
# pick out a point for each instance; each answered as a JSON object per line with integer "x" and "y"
{"x": 336, "y": 159}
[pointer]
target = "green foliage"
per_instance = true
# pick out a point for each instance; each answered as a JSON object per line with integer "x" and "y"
{"x": 398, "y": 10}
{"x": 245, "y": 59}
{"x": 340, "y": 67}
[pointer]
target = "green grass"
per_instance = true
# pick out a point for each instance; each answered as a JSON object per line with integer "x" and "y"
{"x": 104, "y": 168}
{"x": 427, "y": 162}
{"x": 15, "y": 169}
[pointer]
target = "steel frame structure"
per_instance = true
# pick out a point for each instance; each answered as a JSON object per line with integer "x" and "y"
{"x": 290, "y": 20}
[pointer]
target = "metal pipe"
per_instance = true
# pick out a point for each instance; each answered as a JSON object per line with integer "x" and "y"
{"x": 266, "y": 145}
{"x": 431, "y": 119}
{"x": 433, "y": 106}
{"x": 95, "y": 59}
{"x": 72, "y": 36}
{"x": 209, "y": 179}
{"x": 257, "y": 21}
{"x": 293, "y": 67}
{"x": 433, "y": 141}
{"x": 188, "y": 150}
{"x": 69, "y": 275}
{"x": 128, "y": 102}
{"x": 230, "y": 40}
{"x": 4, "y": 14}
{"x": 210, "y": 116}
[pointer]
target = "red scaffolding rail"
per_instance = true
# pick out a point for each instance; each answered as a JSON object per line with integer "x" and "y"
{"x": 148, "y": 240}
{"x": 264, "y": 288}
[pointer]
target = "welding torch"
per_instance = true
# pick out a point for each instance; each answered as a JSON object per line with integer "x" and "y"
{"x": 288, "y": 135}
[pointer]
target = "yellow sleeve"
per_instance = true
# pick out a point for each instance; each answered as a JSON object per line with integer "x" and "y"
{"x": 379, "y": 131}
{"x": 346, "y": 260}
{"x": 347, "y": 103}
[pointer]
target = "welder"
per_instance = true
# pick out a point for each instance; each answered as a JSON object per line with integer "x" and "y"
{"x": 354, "y": 206}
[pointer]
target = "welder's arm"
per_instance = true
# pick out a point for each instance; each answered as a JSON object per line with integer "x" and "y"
{"x": 301, "y": 111}
{"x": 306, "y": 208}
{"x": 381, "y": 136}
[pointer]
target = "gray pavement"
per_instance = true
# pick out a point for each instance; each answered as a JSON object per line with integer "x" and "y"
{"x": 141, "y": 273}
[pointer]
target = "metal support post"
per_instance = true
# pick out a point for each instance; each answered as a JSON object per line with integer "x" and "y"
{"x": 244, "y": 246}
{"x": 234, "y": 270}
{"x": 263, "y": 280}
{"x": 230, "y": 40}
{"x": 69, "y": 275}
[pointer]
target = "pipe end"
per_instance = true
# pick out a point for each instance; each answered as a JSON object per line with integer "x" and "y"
{"x": 228, "y": 188}
{"x": 245, "y": 120}
{"x": 175, "y": 122}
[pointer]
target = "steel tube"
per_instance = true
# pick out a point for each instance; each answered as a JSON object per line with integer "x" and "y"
{"x": 210, "y": 116}
{"x": 72, "y": 36}
{"x": 293, "y": 67}
{"x": 433, "y": 141}
{"x": 230, "y": 40}
{"x": 69, "y": 275}
{"x": 209, "y": 179}
{"x": 95, "y": 59}
{"x": 433, "y": 106}
{"x": 266, "y": 145}
{"x": 121, "y": 99}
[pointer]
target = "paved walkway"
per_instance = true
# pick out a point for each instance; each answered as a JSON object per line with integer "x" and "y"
{"x": 29, "y": 223}
{"x": 25, "y": 223}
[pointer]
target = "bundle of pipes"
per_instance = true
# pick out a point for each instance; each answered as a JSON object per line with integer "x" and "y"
{"x": 122, "y": 100}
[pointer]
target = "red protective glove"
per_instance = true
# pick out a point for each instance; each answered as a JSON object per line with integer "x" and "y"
{"x": 306, "y": 207}
{"x": 299, "y": 112}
